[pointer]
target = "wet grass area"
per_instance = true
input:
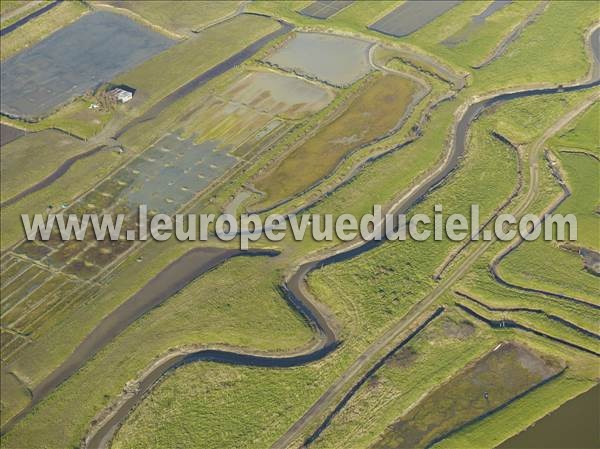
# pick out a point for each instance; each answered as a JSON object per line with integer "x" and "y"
{"x": 503, "y": 374}
{"x": 34, "y": 295}
{"x": 253, "y": 107}
{"x": 278, "y": 94}
{"x": 372, "y": 114}
{"x": 26, "y": 290}
{"x": 478, "y": 21}
{"x": 165, "y": 177}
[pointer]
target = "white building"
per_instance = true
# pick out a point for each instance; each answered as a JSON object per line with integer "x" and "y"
{"x": 122, "y": 95}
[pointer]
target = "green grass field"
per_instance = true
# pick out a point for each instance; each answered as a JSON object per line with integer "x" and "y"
{"x": 350, "y": 294}
{"x": 547, "y": 266}
{"x": 580, "y": 136}
{"x": 366, "y": 282}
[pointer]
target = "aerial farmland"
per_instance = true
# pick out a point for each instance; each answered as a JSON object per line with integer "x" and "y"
{"x": 327, "y": 224}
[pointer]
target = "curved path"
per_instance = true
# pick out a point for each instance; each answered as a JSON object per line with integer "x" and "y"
{"x": 439, "y": 272}
{"x": 294, "y": 289}
{"x": 493, "y": 268}
{"x": 61, "y": 170}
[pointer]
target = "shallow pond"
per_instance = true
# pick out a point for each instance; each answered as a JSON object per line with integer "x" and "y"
{"x": 337, "y": 60}
{"x": 574, "y": 424}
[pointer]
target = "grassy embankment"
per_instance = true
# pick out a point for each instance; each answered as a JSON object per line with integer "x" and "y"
{"x": 76, "y": 118}
{"x": 10, "y": 15}
{"x": 188, "y": 16}
{"x": 580, "y": 136}
{"x": 8, "y": 6}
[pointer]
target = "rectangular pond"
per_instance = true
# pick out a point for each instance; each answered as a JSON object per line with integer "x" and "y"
{"x": 73, "y": 60}
{"x": 173, "y": 171}
{"x": 484, "y": 387}
{"x": 412, "y": 16}
{"x": 337, "y": 60}
{"x": 323, "y": 9}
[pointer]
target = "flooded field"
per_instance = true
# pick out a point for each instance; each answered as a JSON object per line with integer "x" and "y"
{"x": 173, "y": 171}
{"x": 73, "y": 60}
{"x": 334, "y": 59}
{"x": 288, "y": 96}
{"x": 476, "y": 22}
{"x": 574, "y": 424}
{"x": 323, "y": 9}
{"x": 373, "y": 113}
{"x": 247, "y": 110}
{"x": 165, "y": 177}
{"x": 497, "y": 378}
{"x": 412, "y": 16}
